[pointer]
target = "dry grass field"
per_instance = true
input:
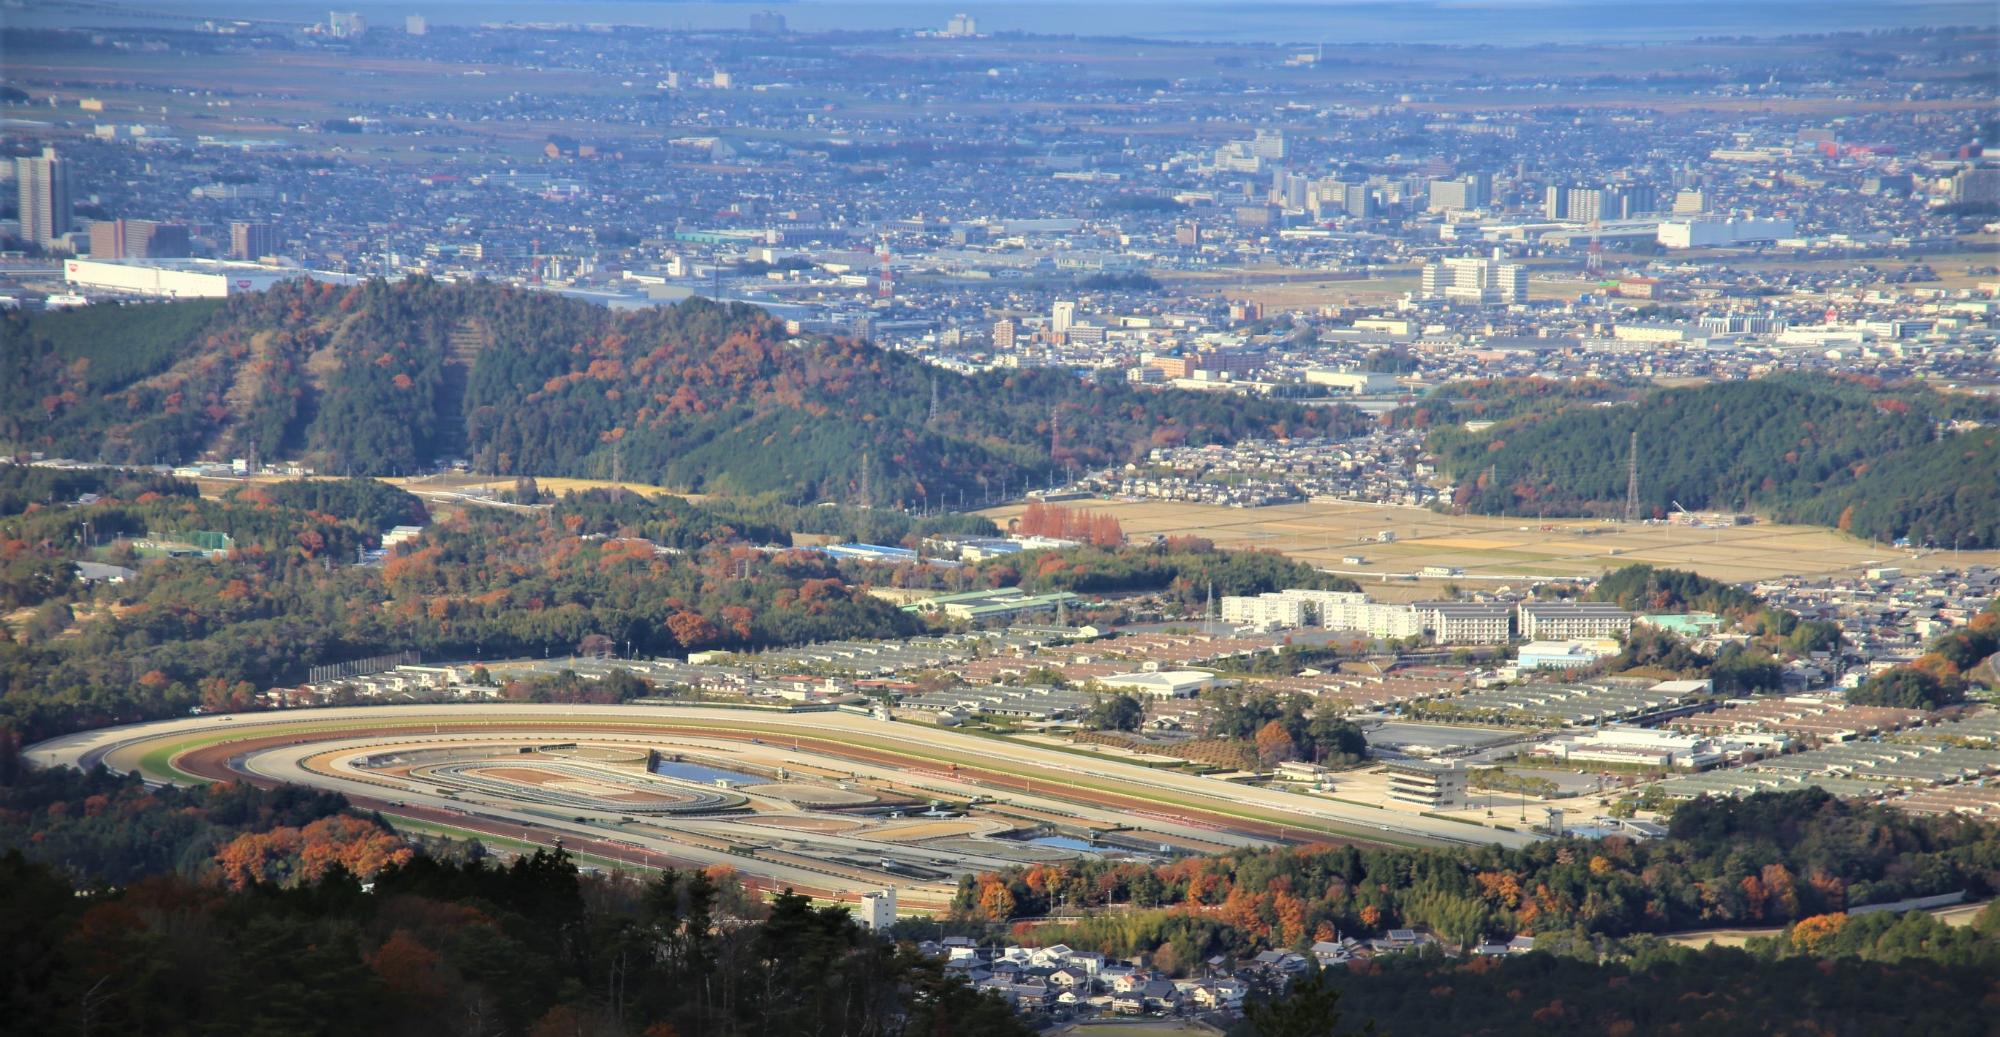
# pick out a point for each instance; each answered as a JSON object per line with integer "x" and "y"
{"x": 1496, "y": 549}
{"x": 555, "y": 484}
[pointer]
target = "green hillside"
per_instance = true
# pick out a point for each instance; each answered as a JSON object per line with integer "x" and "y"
{"x": 1803, "y": 448}
{"x": 384, "y": 379}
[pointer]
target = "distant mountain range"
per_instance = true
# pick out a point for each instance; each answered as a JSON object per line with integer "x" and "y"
{"x": 389, "y": 378}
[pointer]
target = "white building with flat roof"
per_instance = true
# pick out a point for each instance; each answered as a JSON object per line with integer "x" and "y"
{"x": 1564, "y": 655}
{"x": 878, "y": 910}
{"x": 1467, "y": 622}
{"x": 1618, "y": 743}
{"x": 178, "y": 279}
{"x": 1438, "y": 786}
{"x": 1361, "y": 383}
{"x": 1565, "y": 620}
{"x": 1711, "y": 233}
{"x": 1164, "y": 684}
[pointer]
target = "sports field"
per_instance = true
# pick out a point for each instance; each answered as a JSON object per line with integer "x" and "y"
{"x": 1495, "y": 549}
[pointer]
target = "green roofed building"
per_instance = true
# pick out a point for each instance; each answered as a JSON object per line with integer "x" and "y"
{"x": 1691, "y": 624}
{"x": 1004, "y": 603}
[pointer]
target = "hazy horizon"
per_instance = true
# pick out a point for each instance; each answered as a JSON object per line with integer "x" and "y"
{"x": 1449, "y": 22}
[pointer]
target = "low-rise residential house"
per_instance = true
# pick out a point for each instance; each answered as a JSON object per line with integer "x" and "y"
{"x": 1396, "y": 941}
{"x": 1219, "y": 993}
{"x": 1279, "y": 963}
{"x": 1069, "y": 977}
{"x": 1335, "y": 952}
{"x": 1160, "y": 995}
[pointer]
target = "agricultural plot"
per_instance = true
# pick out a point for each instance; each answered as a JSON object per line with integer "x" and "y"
{"x": 1497, "y": 548}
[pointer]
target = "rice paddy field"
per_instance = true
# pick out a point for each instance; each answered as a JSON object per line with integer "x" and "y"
{"x": 1497, "y": 549}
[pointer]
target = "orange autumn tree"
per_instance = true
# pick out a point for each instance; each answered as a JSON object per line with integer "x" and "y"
{"x": 287, "y": 856}
{"x": 1061, "y": 523}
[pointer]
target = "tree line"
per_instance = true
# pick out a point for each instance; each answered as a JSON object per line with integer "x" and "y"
{"x": 435, "y": 946}
{"x": 1765, "y": 859}
{"x": 1865, "y": 457}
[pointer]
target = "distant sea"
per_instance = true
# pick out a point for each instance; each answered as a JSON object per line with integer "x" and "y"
{"x": 1458, "y": 22}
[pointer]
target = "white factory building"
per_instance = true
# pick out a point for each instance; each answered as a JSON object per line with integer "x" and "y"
{"x": 1634, "y": 745}
{"x": 182, "y": 278}
{"x": 1361, "y": 383}
{"x": 1713, "y": 233}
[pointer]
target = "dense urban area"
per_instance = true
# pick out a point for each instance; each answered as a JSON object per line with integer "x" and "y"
{"x": 512, "y": 525}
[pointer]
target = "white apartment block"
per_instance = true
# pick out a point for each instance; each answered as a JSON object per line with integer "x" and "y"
{"x": 1467, "y": 622}
{"x": 1286, "y": 608}
{"x": 1331, "y": 610}
{"x": 1264, "y": 611}
{"x": 1572, "y": 620}
{"x": 1374, "y": 618}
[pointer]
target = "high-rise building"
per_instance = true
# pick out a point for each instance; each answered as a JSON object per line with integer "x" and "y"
{"x": 1555, "y": 202}
{"x": 1635, "y": 200}
{"x": 1613, "y": 202}
{"x": 417, "y": 25}
{"x": 1187, "y": 235}
{"x": 1062, "y": 316}
{"x": 962, "y": 25}
{"x": 252, "y": 241}
{"x": 1585, "y": 204}
{"x": 1690, "y": 202}
{"x": 1976, "y": 184}
{"x": 1290, "y": 189}
{"x": 1358, "y": 200}
{"x": 345, "y": 24}
{"x": 137, "y": 239}
{"x": 1466, "y": 192}
{"x": 1003, "y": 334}
{"x": 1269, "y": 145}
{"x": 768, "y": 23}
{"x": 44, "y": 185}
{"x": 1475, "y": 281}
{"x": 1446, "y": 195}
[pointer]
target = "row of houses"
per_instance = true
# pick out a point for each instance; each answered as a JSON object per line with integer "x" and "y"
{"x": 1037, "y": 979}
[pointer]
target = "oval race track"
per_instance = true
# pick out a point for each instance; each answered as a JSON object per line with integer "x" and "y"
{"x": 514, "y": 774}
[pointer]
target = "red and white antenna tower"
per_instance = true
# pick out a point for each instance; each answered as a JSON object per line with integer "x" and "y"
{"x": 885, "y": 284}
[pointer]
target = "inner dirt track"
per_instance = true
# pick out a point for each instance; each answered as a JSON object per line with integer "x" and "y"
{"x": 852, "y": 757}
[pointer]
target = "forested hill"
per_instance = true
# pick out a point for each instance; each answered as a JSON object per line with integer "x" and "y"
{"x": 1836, "y": 452}
{"x": 381, "y": 378}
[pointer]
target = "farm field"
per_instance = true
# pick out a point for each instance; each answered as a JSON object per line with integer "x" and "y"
{"x": 1496, "y": 549}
